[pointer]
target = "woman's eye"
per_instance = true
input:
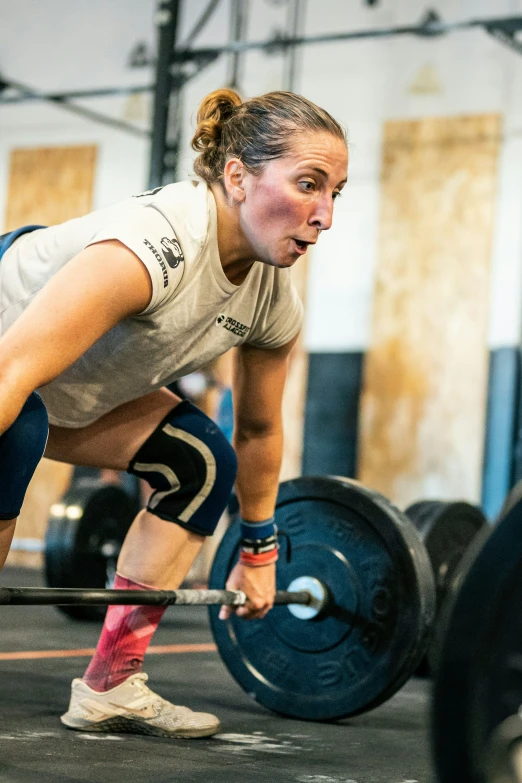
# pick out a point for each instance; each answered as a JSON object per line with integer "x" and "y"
{"x": 336, "y": 194}
{"x": 307, "y": 186}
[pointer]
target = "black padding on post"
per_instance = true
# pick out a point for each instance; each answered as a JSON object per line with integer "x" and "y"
{"x": 332, "y": 414}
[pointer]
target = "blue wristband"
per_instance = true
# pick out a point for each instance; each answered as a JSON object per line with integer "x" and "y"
{"x": 258, "y": 542}
{"x": 258, "y": 530}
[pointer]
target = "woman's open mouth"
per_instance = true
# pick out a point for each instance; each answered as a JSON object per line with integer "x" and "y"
{"x": 301, "y": 246}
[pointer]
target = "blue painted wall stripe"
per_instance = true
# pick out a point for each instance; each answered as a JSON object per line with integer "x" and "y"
{"x": 502, "y": 421}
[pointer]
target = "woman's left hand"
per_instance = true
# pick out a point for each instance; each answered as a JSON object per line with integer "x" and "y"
{"x": 258, "y": 583}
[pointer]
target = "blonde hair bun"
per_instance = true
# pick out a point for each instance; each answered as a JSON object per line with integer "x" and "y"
{"x": 215, "y": 109}
{"x": 256, "y": 131}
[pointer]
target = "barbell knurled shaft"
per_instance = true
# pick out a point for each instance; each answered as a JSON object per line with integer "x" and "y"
{"x": 18, "y": 596}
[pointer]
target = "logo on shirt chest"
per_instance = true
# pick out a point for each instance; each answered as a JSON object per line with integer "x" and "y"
{"x": 229, "y": 323}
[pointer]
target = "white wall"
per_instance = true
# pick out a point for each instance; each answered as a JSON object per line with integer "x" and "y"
{"x": 57, "y": 45}
{"x": 374, "y": 83}
{"x": 61, "y": 45}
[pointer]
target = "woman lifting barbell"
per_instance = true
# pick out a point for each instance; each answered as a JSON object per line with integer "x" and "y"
{"x": 99, "y": 313}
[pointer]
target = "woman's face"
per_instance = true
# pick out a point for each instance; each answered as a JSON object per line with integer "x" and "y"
{"x": 290, "y": 202}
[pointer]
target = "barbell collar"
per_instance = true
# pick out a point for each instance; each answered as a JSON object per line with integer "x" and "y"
{"x": 40, "y": 596}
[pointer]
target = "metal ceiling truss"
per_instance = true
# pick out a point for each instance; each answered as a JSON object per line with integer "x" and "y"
{"x": 430, "y": 26}
{"x": 178, "y": 63}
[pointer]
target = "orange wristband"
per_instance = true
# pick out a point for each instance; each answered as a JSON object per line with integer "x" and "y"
{"x": 259, "y": 560}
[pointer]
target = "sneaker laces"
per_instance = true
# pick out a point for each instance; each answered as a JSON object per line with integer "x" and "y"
{"x": 158, "y": 701}
{"x": 139, "y": 680}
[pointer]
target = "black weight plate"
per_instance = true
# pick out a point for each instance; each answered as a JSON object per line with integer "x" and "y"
{"x": 479, "y": 643}
{"x": 56, "y": 558}
{"x": 367, "y": 645}
{"x": 513, "y": 497}
{"x": 447, "y": 529}
{"x": 84, "y": 536}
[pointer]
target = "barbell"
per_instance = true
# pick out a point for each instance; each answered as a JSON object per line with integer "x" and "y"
{"x": 354, "y": 608}
{"x": 314, "y": 600}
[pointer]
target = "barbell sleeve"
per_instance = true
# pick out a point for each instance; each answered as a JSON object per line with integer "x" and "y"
{"x": 29, "y": 596}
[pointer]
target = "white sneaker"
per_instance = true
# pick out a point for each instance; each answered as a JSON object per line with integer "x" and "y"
{"x": 133, "y": 707}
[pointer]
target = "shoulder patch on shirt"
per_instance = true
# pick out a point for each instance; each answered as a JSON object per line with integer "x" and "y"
{"x": 171, "y": 253}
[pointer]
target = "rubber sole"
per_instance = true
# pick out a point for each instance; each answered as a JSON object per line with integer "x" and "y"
{"x": 121, "y": 725}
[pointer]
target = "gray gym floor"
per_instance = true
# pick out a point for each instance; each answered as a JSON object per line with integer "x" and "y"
{"x": 388, "y": 745}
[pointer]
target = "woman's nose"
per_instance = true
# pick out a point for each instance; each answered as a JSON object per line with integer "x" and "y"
{"x": 321, "y": 217}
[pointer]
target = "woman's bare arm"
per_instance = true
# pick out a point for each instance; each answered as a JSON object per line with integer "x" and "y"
{"x": 258, "y": 438}
{"x": 99, "y": 287}
{"x": 259, "y": 380}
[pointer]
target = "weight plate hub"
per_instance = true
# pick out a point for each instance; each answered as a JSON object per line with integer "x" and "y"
{"x": 366, "y": 644}
{"x": 479, "y": 676}
{"x": 316, "y": 590}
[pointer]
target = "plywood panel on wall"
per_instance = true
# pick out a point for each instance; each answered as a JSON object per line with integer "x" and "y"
{"x": 46, "y": 186}
{"x": 423, "y": 401}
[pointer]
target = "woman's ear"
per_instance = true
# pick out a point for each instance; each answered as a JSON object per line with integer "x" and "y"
{"x": 234, "y": 180}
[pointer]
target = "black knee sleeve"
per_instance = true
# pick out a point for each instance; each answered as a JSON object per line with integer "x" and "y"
{"x": 191, "y": 467}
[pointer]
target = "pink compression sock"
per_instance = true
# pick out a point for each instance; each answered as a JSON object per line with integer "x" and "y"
{"x": 124, "y": 639}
